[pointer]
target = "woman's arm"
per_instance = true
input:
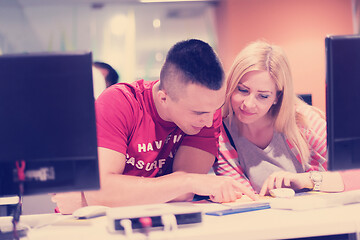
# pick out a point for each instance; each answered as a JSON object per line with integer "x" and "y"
{"x": 331, "y": 181}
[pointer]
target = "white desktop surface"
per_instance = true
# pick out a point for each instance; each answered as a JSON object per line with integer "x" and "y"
{"x": 262, "y": 224}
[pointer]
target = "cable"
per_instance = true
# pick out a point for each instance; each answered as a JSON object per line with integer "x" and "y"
{"x": 127, "y": 225}
{"x": 20, "y": 168}
{"x": 146, "y": 223}
{"x": 169, "y": 222}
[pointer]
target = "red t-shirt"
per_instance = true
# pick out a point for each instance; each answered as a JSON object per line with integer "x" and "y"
{"x": 127, "y": 122}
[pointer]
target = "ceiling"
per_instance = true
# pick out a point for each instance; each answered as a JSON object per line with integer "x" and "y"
{"x": 25, "y": 3}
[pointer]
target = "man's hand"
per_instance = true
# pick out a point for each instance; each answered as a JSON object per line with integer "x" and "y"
{"x": 69, "y": 202}
{"x": 219, "y": 188}
{"x": 286, "y": 179}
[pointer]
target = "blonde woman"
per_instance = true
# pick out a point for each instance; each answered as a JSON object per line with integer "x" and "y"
{"x": 270, "y": 138}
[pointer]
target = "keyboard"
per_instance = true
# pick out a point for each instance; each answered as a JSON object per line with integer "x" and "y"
{"x": 315, "y": 201}
{"x": 243, "y": 204}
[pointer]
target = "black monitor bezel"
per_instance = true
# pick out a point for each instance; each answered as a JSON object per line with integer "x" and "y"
{"x": 343, "y": 148}
{"x": 73, "y": 173}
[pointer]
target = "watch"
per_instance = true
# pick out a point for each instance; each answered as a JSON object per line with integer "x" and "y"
{"x": 316, "y": 177}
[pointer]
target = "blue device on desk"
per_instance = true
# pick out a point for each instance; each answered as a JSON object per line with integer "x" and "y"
{"x": 240, "y": 209}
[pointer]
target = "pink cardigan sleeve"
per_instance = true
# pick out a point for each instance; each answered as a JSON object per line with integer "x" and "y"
{"x": 315, "y": 135}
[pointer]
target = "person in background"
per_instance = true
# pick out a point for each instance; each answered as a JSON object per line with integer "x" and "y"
{"x": 269, "y": 137}
{"x": 99, "y": 82}
{"x": 109, "y": 73}
{"x": 158, "y": 140}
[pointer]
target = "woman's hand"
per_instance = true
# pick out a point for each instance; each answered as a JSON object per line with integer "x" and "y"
{"x": 286, "y": 179}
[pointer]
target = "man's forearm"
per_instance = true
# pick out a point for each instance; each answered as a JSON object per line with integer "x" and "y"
{"x": 121, "y": 190}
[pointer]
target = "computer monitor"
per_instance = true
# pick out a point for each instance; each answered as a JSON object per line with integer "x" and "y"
{"x": 47, "y": 120}
{"x": 343, "y": 101}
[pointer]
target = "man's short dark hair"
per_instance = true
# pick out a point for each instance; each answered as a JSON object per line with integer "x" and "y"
{"x": 196, "y": 62}
{"x": 112, "y": 76}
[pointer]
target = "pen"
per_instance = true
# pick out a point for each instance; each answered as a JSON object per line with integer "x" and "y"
{"x": 240, "y": 209}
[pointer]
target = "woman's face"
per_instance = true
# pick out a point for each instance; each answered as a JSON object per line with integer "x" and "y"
{"x": 253, "y": 97}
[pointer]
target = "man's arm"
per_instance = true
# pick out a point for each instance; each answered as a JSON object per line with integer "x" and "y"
{"x": 192, "y": 160}
{"x": 120, "y": 190}
{"x": 219, "y": 188}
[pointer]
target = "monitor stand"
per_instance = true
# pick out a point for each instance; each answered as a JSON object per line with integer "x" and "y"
{"x": 7, "y": 230}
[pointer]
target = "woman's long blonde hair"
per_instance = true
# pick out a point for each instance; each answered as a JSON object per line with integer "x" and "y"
{"x": 263, "y": 56}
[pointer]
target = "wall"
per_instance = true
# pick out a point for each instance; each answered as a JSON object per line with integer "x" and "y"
{"x": 300, "y": 27}
{"x": 123, "y": 35}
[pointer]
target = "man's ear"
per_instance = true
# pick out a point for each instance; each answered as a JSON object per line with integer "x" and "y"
{"x": 162, "y": 96}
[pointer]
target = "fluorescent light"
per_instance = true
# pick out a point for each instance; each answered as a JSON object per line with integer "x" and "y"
{"x": 156, "y": 23}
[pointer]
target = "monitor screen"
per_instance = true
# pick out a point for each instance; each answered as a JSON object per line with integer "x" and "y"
{"x": 47, "y": 121}
{"x": 343, "y": 101}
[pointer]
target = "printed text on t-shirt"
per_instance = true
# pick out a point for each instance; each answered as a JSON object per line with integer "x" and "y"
{"x": 143, "y": 147}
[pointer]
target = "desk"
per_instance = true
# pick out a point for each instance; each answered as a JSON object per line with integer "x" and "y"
{"x": 263, "y": 224}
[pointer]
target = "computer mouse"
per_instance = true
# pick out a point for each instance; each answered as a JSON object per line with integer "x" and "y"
{"x": 90, "y": 212}
{"x": 282, "y": 192}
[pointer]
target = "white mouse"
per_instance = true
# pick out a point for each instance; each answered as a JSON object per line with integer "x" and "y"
{"x": 90, "y": 212}
{"x": 282, "y": 192}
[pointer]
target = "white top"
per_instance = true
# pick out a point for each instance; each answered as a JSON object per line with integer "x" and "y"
{"x": 259, "y": 163}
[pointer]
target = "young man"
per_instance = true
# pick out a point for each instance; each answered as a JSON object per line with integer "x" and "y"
{"x": 157, "y": 140}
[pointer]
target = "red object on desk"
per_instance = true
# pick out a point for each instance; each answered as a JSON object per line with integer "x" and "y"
{"x": 56, "y": 210}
